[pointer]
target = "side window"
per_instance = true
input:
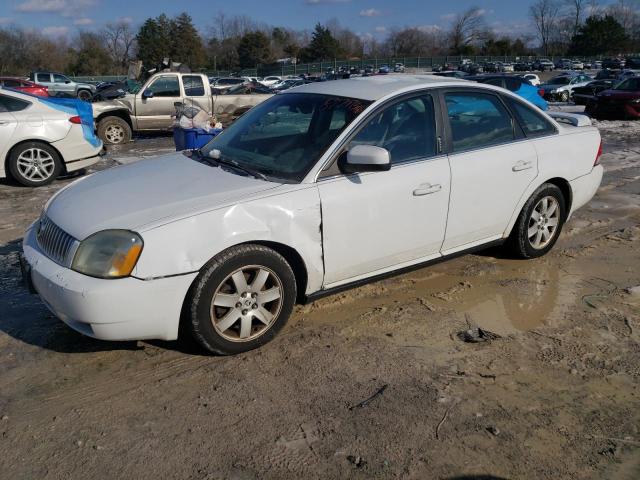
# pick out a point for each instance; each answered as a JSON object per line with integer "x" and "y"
{"x": 11, "y": 83}
{"x": 43, "y": 78}
{"x": 166, "y": 87}
{"x": 193, "y": 86}
{"x": 57, "y": 78}
{"x": 477, "y": 120}
{"x": 406, "y": 129}
{"x": 512, "y": 84}
{"x": 498, "y": 82}
{"x": 533, "y": 124}
{"x": 9, "y": 104}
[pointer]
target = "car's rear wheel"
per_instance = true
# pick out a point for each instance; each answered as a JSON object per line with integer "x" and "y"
{"x": 34, "y": 164}
{"x": 564, "y": 96}
{"x": 241, "y": 299}
{"x": 540, "y": 222}
{"x": 114, "y": 130}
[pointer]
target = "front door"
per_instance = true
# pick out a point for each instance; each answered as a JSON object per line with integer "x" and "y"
{"x": 379, "y": 221}
{"x": 491, "y": 167}
{"x": 154, "y": 113}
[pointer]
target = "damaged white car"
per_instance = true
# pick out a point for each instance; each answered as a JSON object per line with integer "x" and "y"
{"x": 315, "y": 190}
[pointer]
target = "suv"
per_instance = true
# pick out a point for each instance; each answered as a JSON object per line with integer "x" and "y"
{"x": 61, "y": 85}
{"x": 543, "y": 64}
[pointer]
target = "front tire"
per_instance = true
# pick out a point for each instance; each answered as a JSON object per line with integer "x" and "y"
{"x": 241, "y": 299}
{"x": 85, "y": 95}
{"x": 114, "y": 130}
{"x": 34, "y": 164}
{"x": 564, "y": 96}
{"x": 540, "y": 222}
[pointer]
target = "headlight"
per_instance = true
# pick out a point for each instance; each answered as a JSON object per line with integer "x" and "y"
{"x": 108, "y": 254}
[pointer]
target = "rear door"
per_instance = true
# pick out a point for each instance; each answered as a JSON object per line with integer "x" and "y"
{"x": 155, "y": 113}
{"x": 491, "y": 166}
{"x": 8, "y": 122}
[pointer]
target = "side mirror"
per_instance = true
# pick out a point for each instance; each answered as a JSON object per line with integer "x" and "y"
{"x": 365, "y": 158}
{"x": 147, "y": 94}
{"x": 67, "y": 81}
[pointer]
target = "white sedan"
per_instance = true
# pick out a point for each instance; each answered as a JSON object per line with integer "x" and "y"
{"x": 41, "y": 138}
{"x": 315, "y": 190}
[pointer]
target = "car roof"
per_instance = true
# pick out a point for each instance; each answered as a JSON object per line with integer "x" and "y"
{"x": 374, "y": 88}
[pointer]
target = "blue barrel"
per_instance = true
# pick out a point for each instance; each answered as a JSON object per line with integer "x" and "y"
{"x": 192, "y": 138}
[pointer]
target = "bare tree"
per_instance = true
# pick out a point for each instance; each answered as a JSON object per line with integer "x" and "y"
{"x": 467, "y": 27}
{"x": 576, "y": 12}
{"x": 544, "y": 14}
{"x": 119, "y": 39}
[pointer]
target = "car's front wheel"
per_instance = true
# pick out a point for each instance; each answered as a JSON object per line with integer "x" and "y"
{"x": 34, "y": 164}
{"x": 241, "y": 299}
{"x": 540, "y": 222}
{"x": 85, "y": 95}
{"x": 114, "y": 130}
{"x": 564, "y": 96}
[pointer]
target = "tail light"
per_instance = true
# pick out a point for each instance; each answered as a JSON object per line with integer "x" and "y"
{"x": 541, "y": 92}
{"x": 77, "y": 120}
{"x": 598, "y": 155}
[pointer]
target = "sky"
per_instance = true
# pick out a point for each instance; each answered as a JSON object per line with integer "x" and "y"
{"x": 365, "y": 17}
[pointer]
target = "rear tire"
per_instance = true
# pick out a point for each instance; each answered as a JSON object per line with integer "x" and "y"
{"x": 564, "y": 96}
{"x": 34, "y": 164}
{"x": 114, "y": 130}
{"x": 85, "y": 95}
{"x": 241, "y": 299}
{"x": 540, "y": 222}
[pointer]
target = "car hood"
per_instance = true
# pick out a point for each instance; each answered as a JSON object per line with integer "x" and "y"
{"x": 620, "y": 94}
{"x": 147, "y": 193}
{"x": 124, "y": 102}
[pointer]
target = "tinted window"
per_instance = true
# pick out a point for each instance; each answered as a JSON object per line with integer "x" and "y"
{"x": 59, "y": 78}
{"x": 531, "y": 121}
{"x": 9, "y": 104}
{"x": 512, "y": 84}
{"x": 406, "y": 129}
{"x": 165, "y": 87}
{"x": 632, "y": 84}
{"x": 43, "y": 78}
{"x": 9, "y": 82}
{"x": 498, "y": 82}
{"x": 193, "y": 86}
{"x": 477, "y": 120}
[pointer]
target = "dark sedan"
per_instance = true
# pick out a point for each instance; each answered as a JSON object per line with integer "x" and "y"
{"x": 583, "y": 95}
{"x": 621, "y": 101}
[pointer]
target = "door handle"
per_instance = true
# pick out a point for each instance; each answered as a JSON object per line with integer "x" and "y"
{"x": 522, "y": 165}
{"x": 426, "y": 189}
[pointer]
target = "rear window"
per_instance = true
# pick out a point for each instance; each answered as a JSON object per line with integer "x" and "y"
{"x": 10, "y": 104}
{"x": 11, "y": 83}
{"x": 477, "y": 120}
{"x": 193, "y": 86}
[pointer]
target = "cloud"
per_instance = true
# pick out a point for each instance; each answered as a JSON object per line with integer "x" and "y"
{"x": 5, "y": 20}
{"x": 55, "y": 31}
{"x": 380, "y": 29}
{"x": 323, "y": 2}
{"x": 370, "y": 12}
{"x": 447, "y": 17}
{"x": 84, "y": 21}
{"x": 66, "y": 8}
{"x": 127, "y": 20}
{"x": 429, "y": 28}
{"x": 34, "y": 6}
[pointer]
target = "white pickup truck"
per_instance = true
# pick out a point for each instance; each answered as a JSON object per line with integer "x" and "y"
{"x": 151, "y": 108}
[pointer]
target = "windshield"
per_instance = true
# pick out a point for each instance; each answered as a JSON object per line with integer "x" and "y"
{"x": 285, "y": 136}
{"x": 632, "y": 84}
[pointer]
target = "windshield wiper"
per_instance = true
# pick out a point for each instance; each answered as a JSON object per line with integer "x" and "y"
{"x": 233, "y": 164}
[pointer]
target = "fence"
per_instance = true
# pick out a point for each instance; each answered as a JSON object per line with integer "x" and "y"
{"x": 425, "y": 63}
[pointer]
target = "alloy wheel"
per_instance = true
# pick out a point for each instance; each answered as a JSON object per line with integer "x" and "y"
{"x": 543, "y": 222}
{"x": 114, "y": 134}
{"x": 36, "y": 165}
{"x": 247, "y": 303}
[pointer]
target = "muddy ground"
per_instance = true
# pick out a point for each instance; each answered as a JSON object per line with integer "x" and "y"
{"x": 553, "y": 396}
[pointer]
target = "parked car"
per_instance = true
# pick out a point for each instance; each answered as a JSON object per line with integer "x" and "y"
{"x": 398, "y": 68}
{"x": 596, "y": 65}
{"x": 621, "y": 101}
{"x": 624, "y": 74}
{"x": 384, "y": 69}
{"x": 613, "y": 63}
{"x": 506, "y": 67}
{"x": 522, "y": 67}
{"x": 26, "y": 86}
{"x": 606, "y": 74}
{"x": 561, "y": 87}
{"x": 517, "y": 85}
{"x": 584, "y": 95}
{"x": 288, "y": 83}
{"x": 632, "y": 63}
{"x": 61, "y": 85}
{"x": 152, "y": 107}
{"x": 532, "y": 78}
{"x": 576, "y": 65}
{"x": 543, "y": 65}
{"x": 228, "y": 82}
{"x": 452, "y": 74}
{"x": 283, "y": 207}
{"x": 42, "y": 138}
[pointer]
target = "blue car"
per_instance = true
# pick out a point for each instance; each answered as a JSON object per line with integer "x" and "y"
{"x": 517, "y": 85}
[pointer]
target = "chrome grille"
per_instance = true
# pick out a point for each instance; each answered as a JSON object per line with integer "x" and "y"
{"x": 55, "y": 243}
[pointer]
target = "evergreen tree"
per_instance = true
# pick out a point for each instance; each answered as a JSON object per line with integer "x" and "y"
{"x": 599, "y": 36}
{"x": 254, "y": 48}
{"x": 323, "y": 45}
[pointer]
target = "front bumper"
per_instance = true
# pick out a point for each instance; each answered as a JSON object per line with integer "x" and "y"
{"x": 120, "y": 309}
